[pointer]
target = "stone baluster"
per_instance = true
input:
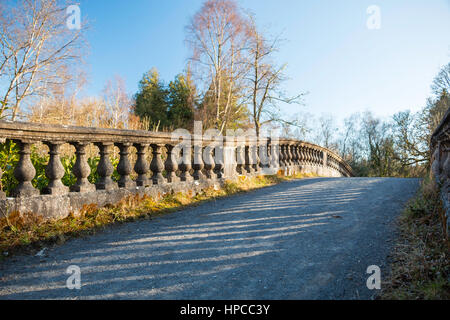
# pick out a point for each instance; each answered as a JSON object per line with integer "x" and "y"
{"x": 294, "y": 154}
{"x": 255, "y": 159}
{"x": 282, "y": 155}
{"x": 269, "y": 155}
{"x": 185, "y": 165}
{"x": 301, "y": 156}
{"x": 219, "y": 161}
{"x": 266, "y": 153}
{"x": 209, "y": 162}
{"x": 275, "y": 155}
{"x": 104, "y": 168}
{"x": 248, "y": 160}
{"x": 288, "y": 155}
{"x": 54, "y": 171}
{"x": 287, "y": 159}
{"x": 240, "y": 159}
{"x": 157, "y": 166}
{"x": 124, "y": 167}
{"x": 198, "y": 163}
{"x": 171, "y": 164}
{"x": 141, "y": 167}
{"x": 281, "y": 152}
{"x": 81, "y": 170}
{"x": 24, "y": 172}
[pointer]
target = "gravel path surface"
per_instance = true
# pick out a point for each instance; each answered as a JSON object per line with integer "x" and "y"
{"x": 304, "y": 239}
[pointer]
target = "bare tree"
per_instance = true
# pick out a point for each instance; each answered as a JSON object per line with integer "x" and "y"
{"x": 327, "y": 131}
{"x": 349, "y": 142}
{"x": 117, "y": 102}
{"x": 35, "y": 46}
{"x": 441, "y": 82}
{"x": 264, "y": 80}
{"x": 217, "y": 36}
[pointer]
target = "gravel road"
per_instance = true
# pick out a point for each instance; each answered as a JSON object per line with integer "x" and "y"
{"x": 303, "y": 239}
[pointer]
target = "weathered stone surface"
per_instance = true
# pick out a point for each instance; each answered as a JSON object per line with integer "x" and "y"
{"x": 171, "y": 164}
{"x": 24, "y": 172}
{"x": 55, "y": 171}
{"x": 105, "y": 168}
{"x": 141, "y": 166}
{"x": 157, "y": 165}
{"x": 124, "y": 166}
{"x": 198, "y": 163}
{"x": 60, "y": 206}
{"x": 81, "y": 170}
{"x": 185, "y": 165}
{"x": 440, "y": 161}
{"x": 239, "y": 155}
{"x": 208, "y": 160}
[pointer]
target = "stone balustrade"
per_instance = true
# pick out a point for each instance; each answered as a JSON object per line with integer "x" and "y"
{"x": 178, "y": 164}
{"x": 440, "y": 161}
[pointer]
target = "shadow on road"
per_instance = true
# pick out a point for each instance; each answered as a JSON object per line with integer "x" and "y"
{"x": 243, "y": 247}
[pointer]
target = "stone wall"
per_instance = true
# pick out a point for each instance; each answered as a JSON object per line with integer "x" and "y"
{"x": 164, "y": 163}
{"x": 440, "y": 161}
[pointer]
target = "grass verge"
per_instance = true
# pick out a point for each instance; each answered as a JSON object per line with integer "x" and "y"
{"x": 420, "y": 268}
{"x": 28, "y": 233}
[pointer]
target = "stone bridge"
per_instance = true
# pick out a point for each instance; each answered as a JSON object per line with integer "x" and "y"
{"x": 179, "y": 162}
{"x": 302, "y": 239}
{"x": 440, "y": 159}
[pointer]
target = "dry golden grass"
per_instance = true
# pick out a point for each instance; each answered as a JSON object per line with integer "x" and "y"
{"x": 30, "y": 232}
{"x": 420, "y": 260}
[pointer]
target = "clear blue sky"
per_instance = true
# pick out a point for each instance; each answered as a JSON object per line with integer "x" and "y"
{"x": 330, "y": 52}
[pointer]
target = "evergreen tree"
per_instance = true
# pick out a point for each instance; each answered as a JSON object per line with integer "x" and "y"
{"x": 182, "y": 102}
{"x": 152, "y": 100}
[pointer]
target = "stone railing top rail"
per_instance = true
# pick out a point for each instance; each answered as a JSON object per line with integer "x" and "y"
{"x": 316, "y": 147}
{"x": 44, "y": 132}
{"x": 33, "y": 132}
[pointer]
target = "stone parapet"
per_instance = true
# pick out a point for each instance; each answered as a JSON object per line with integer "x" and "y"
{"x": 179, "y": 163}
{"x": 440, "y": 161}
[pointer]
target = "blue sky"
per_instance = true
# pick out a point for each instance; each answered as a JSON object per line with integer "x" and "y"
{"x": 330, "y": 52}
